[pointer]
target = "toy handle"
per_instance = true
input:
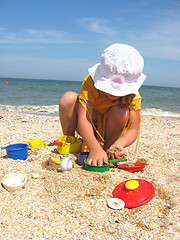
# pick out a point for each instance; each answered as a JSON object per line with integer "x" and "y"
{"x": 117, "y": 160}
{"x": 57, "y": 142}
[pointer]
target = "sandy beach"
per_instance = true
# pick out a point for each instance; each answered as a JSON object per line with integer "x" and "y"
{"x": 73, "y": 205}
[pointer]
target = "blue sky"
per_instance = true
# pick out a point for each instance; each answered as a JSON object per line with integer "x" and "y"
{"x": 60, "y": 40}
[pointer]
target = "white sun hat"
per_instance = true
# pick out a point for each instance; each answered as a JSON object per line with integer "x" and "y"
{"x": 120, "y": 71}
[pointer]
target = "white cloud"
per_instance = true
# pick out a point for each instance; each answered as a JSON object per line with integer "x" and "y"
{"x": 156, "y": 35}
{"x": 160, "y": 39}
{"x": 2, "y": 29}
{"x": 95, "y": 25}
{"x": 28, "y": 36}
{"x": 163, "y": 41}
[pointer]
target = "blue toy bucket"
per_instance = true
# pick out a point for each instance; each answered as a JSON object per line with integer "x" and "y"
{"x": 17, "y": 151}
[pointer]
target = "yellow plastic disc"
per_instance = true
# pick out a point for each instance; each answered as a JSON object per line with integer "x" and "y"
{"x": 131, "y": 184}
{"x": 33, "y": 143}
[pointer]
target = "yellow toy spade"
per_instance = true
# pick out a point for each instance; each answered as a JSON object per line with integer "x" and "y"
{"x": 57, "y": 161}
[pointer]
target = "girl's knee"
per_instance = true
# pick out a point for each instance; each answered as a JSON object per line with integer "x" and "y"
{"x": 117, "y": 116}
{"x": 117, "y": 113}
{"x": 68, "y": 99}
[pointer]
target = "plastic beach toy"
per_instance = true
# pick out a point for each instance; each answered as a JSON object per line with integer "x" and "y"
{"x": 66, "y": 163}
{"x": 135, "y": 192}
{"x": 136, "y": 168}
{"x": 103, "y": 168}
{"x": 84, "y": 148}
{"x": 14, "y": 181}
{"x": 131, "y": 185}
{"x": 57, "y": 161}
{"x": 115, "y": 203}
{"x": 17, "y": 151}
{"x": 82, "y": 157}
{"x": 35, "y": 144}
{"x": 68, "y": 144}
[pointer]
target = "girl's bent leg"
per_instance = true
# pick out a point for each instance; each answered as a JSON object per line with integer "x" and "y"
{"x": 115, "y": 121}
{"x": 68, "y": 113}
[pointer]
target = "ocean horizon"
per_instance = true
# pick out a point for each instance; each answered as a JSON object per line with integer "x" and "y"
{"x": 41, "y": 96}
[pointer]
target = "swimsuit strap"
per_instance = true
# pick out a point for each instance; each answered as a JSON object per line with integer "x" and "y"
{"x": 88, "y": 111}
{"x": 135, "y": 154}
{"x": 125, "y": 129}
{"x": 101, "y": 122}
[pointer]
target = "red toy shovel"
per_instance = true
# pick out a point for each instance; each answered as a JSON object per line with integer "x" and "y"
{"x": 57, "y": 142}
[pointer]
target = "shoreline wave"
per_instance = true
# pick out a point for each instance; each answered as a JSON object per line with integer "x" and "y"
{"x": 160, "y": 113}
{"x": 34, "y": 109}
{"x": 53, "y": 110}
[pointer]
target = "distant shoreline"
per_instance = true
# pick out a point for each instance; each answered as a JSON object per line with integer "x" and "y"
{"x": 79, "y": 81}
{"x": 57, "y": 114}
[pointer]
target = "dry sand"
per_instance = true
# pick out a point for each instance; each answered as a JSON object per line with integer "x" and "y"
{"x": 73, "y": 205}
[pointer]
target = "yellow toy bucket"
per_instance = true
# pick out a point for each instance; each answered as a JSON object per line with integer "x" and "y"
{"x": 68, "y": 144}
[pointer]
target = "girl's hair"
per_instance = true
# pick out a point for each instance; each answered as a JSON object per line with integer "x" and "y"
{"x": 125, "y": 100}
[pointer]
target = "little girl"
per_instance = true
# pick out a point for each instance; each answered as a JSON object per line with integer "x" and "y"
{"x": 107, "y": 111}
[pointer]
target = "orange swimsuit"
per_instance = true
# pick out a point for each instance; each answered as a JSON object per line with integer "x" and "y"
{"x": 101, "y": 103}
{"x": 99, "y": 99}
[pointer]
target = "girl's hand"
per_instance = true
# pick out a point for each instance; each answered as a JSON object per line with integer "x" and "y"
{"x": 97, "y": 157}
{"x": 115, "y": 152}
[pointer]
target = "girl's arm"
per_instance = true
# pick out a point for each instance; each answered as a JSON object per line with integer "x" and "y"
{"x": 128, "y": 138}
{"x": 97, "y": 155}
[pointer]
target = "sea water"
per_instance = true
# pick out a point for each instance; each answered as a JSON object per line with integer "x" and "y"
{"x": 42, "y": 96}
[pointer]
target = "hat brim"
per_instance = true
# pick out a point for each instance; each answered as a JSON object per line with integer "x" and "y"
{"x": 104, "y": 84}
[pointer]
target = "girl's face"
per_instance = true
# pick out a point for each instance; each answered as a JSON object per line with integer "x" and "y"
{"x": 112, "y": 97}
